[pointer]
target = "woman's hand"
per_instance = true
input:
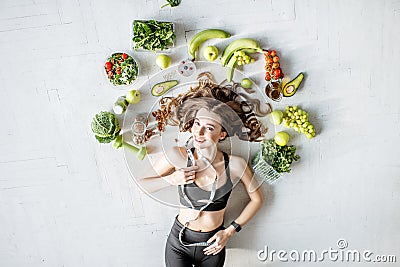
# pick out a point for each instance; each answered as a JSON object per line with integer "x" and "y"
{"x": 182, "y": 176}
{"x": 220, "y": 238}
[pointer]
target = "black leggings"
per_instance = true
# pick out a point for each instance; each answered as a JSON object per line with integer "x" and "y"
{"x": 177, "y": 255}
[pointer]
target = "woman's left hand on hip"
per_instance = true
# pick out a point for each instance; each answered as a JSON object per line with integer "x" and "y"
{"x": 219, "y": 241}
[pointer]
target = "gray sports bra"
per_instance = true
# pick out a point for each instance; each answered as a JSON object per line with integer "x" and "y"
{"x": 199, "y": 196}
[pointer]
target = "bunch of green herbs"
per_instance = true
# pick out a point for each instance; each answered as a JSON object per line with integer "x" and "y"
{"x": 172, "y": 3}
{"x": 153, "y": 35}
{"x": 279, "y": 157}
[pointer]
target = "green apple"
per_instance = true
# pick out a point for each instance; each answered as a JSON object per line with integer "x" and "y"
{"x": 210, "y": 53}
{"x": 281, "y": 138}
{"x": 246, "y": 83}
{"x": 275, "y": 117}
{"x": 163, "y": 61}
{"x": 133, "y": 97}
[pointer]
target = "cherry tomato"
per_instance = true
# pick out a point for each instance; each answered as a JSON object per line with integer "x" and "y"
{"x": 108, "y": 65}
{"x": 275, "y": 65}
{"x": 277, "y": 72}
{"x": 270, "y": 60}
{"x": 124, "y": 56}
{"x": 118, "y": 70}
{"x": 267, "y": 77}
{"x": 276, "y": 58}
{"x": 273, "y": 53}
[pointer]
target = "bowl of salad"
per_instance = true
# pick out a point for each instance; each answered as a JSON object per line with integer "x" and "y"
{"x": 121, "y": 69}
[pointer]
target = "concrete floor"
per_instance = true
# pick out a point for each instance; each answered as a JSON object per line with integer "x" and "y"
{"x": 67, "y": 201}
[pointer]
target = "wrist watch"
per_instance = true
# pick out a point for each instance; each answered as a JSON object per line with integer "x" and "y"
{"x": 236, "y": 226}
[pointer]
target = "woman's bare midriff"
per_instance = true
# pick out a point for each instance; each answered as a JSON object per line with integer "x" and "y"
{"x": 208, "y": 220}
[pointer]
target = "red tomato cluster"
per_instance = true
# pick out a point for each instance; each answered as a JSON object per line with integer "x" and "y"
{"x": 109, "y": 65}
{"x": 272, "y": 66}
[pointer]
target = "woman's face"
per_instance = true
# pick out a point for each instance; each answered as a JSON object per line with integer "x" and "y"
{"x": 206, "y": 129}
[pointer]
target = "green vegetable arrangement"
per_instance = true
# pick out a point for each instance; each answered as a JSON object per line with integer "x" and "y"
{"x": 171, "y": 3}
{"x": 153, "y": 35}
{"x": 279, "y": 157}
{"x": 106, "y": 129}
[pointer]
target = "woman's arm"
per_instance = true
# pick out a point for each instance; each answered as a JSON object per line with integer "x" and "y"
{"x": 253, "y": 189}
{"x": 168, "y": 174}
{"x": 241, "y": 169}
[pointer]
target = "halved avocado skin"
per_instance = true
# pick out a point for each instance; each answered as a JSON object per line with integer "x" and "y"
{"x": 295, "y": 83}
{"x": 167, "y": 85}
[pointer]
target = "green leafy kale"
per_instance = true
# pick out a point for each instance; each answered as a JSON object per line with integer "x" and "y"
{"x": 279, "y": 157}
{"x": 153, "y": 35}
{"x": 105, "y": 126}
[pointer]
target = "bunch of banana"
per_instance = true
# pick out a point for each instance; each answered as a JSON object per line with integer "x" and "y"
{"x": 203, "y": 36}
{"x": 235, "y": 51}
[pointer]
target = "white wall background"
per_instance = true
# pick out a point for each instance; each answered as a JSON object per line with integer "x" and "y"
{"x": 65, "y": 200}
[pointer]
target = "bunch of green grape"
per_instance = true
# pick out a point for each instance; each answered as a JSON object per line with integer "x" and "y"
{"x": 298, "y": 120}
{"x": 242, "y": 58}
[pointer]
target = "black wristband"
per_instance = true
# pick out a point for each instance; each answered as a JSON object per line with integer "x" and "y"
{"x": 236, "y": 226}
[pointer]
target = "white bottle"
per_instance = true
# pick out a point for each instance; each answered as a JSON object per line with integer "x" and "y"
{"x": 120, "y": 105}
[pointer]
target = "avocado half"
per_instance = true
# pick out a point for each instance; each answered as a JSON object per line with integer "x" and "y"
{"x": 291, "y": 87}
{"x": 161, "y": 88}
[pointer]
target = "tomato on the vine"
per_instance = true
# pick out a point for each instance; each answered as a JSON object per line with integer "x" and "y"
{"x": 108, "y": 65}
{"x": 272, "y": 66}
{"x": 277, "y": 72}
{"x": 275, "y": 65}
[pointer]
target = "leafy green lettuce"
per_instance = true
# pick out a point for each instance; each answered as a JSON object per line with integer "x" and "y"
{"x": 153, "y": 35}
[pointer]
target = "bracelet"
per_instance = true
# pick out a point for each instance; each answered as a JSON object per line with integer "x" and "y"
{"x": 236, "y": 226}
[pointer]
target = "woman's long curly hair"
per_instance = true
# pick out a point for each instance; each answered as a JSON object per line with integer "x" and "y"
{"x": 236, "y": 113}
